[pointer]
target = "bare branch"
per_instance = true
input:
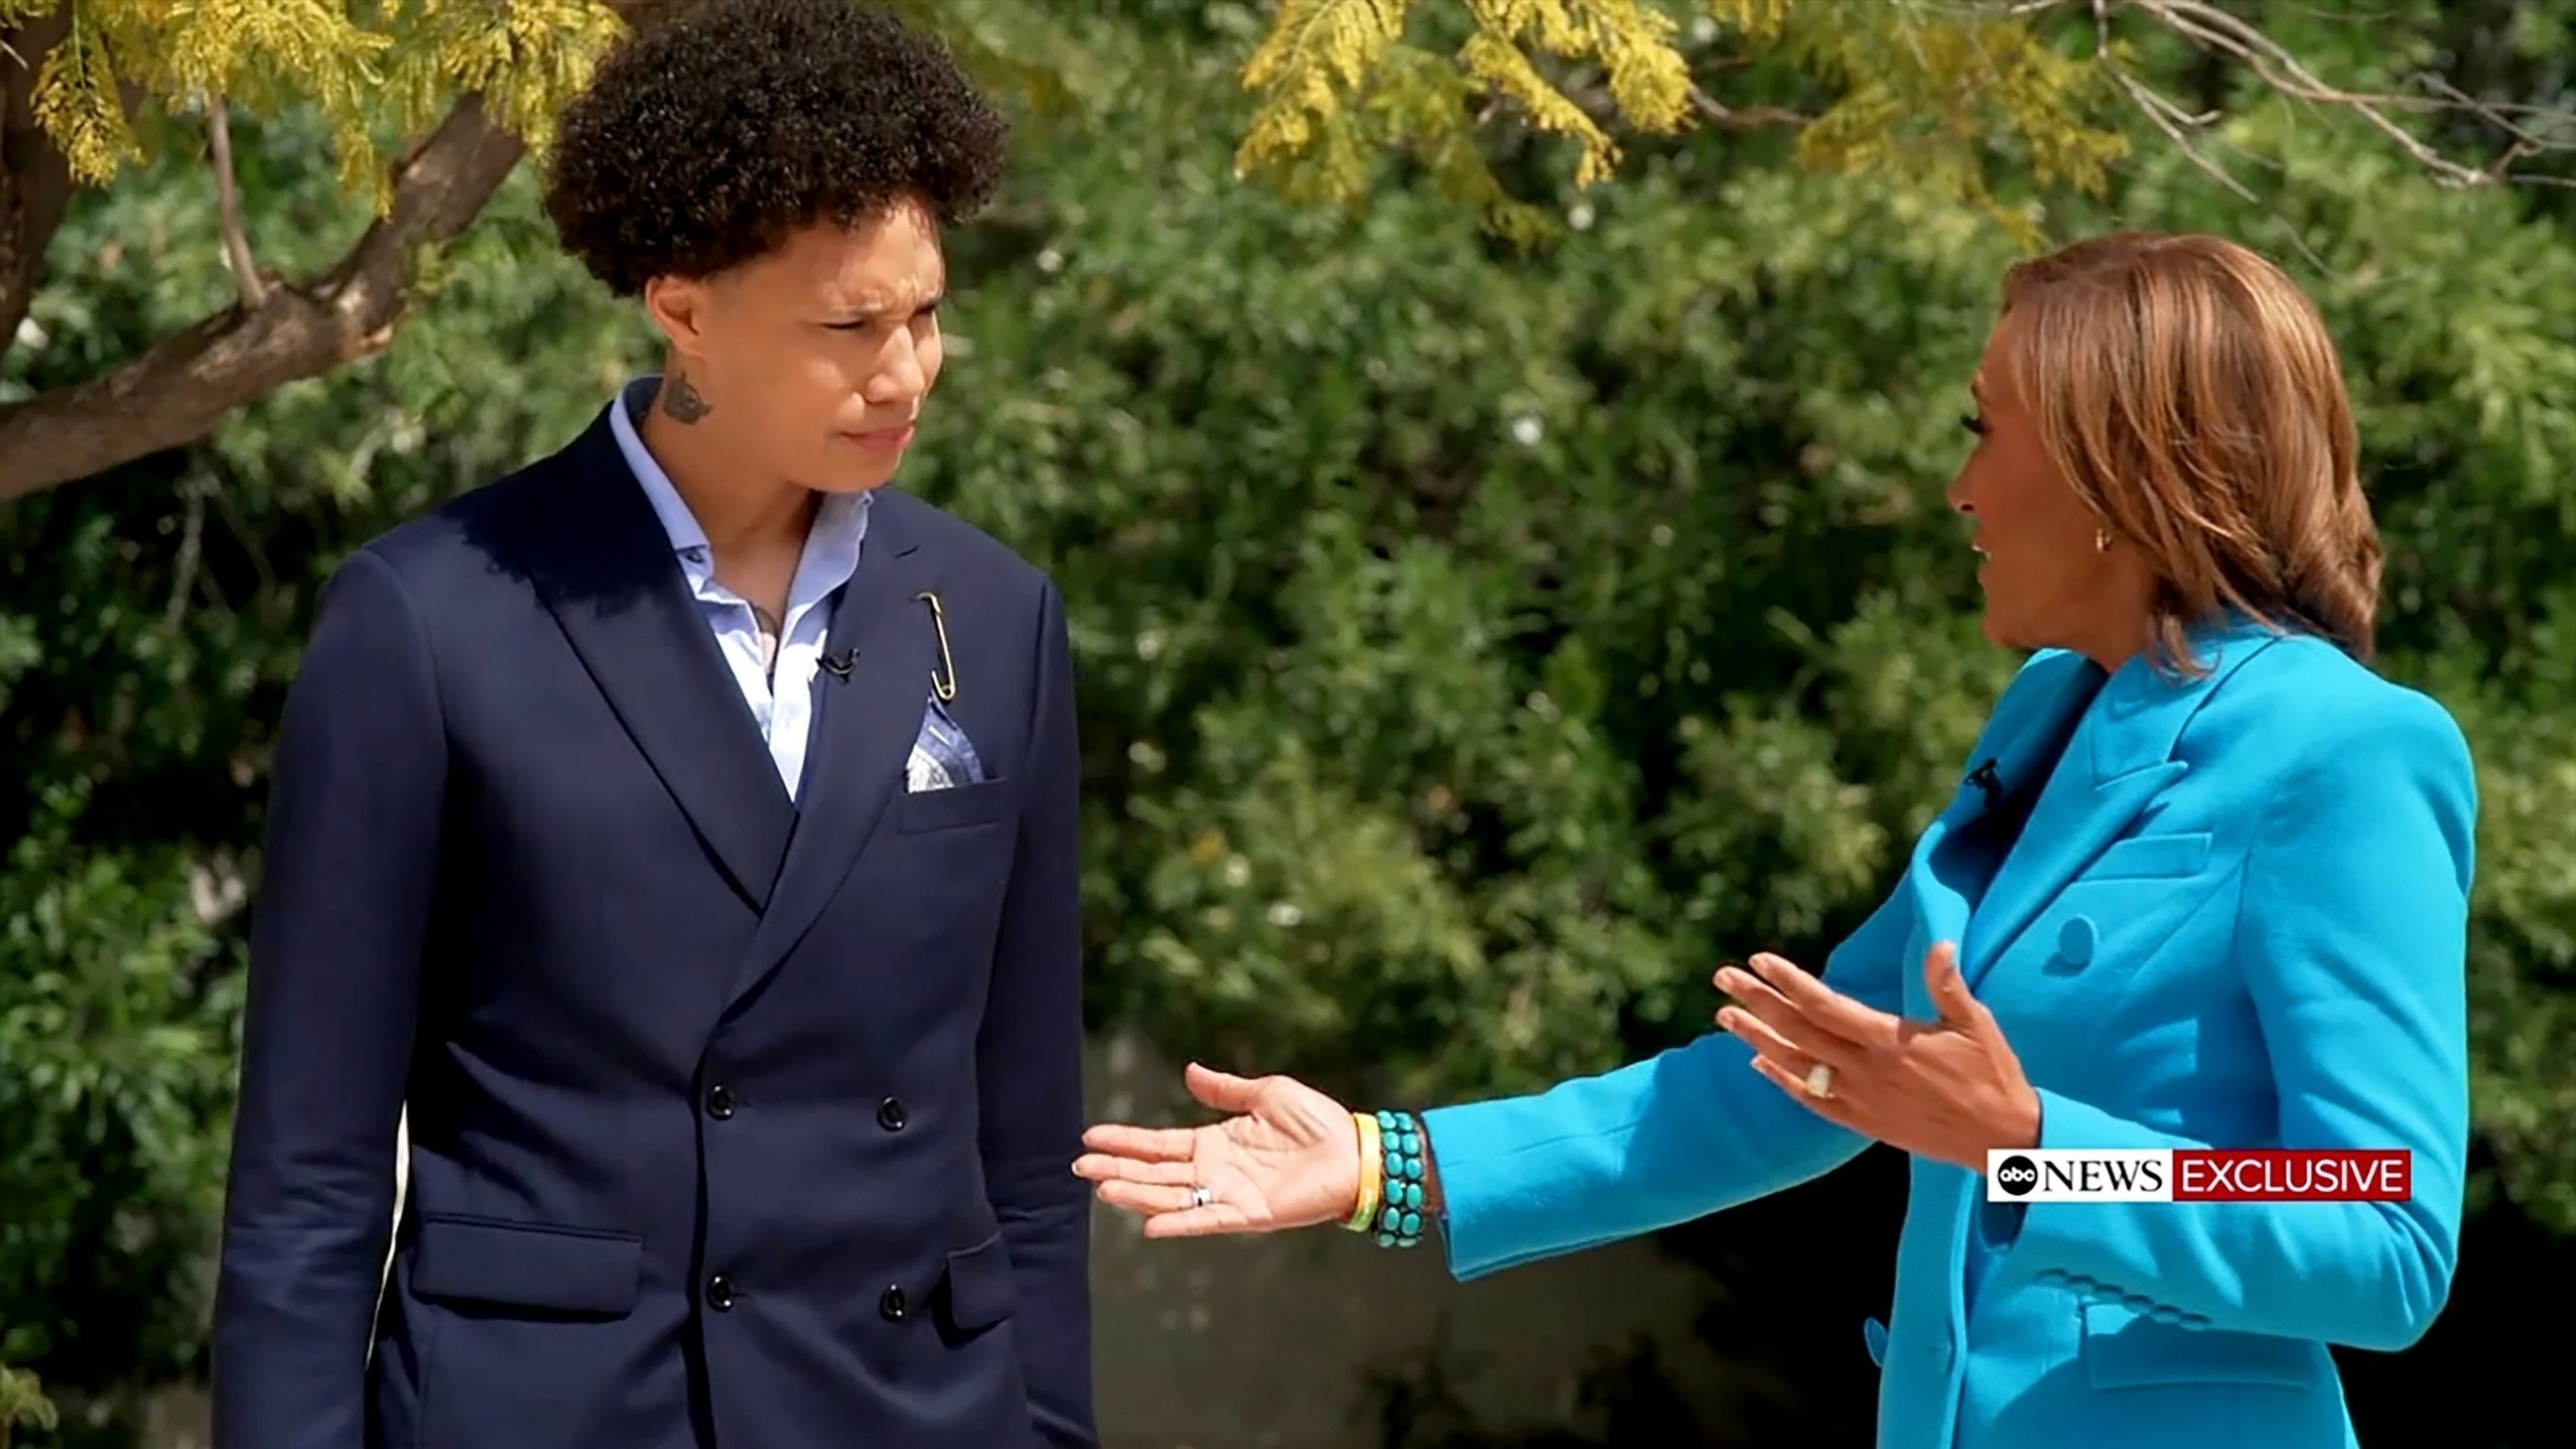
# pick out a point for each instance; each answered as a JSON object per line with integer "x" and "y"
{"x": 2169, "y": 117}
{"x": 1718, "y": 113}
{"x": 219, "y": 131}
{"x": 2216, "y": 30}
{"x": 179, "y": 390}
{"x": 2241, "y": 42}
{"x": 183, "y": 577}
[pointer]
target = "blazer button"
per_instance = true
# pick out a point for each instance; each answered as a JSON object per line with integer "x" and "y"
{"x": 2075, "y": 941}
{"x": 720, "y": 1294}
{"x": 720, "y": 1104}
{"x": 892, "y": 1306}
{"x": 890, "y": 1115}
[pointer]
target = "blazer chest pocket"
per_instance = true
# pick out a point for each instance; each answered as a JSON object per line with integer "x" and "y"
{"x": 956, "y": 807}
{"x": 2152, "y": 857}
{"x": 578, "y": 1272}
{"x": 2125, "y": 1349}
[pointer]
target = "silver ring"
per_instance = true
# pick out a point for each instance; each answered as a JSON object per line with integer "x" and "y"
{"x": 1820, "y": 1080}
{"x": 1200, "y": 1197}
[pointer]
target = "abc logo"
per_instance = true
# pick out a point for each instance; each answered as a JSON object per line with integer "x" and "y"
{"x": 2016, "y": 1175}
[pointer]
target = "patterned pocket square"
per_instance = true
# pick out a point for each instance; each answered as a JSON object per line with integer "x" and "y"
{"x": 942, "y": 757}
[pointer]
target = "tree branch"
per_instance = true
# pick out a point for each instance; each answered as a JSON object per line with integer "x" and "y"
{"x": 2232, "y": 38}
{"x": 35, "y": 176}
{"x": 175, "y": 393}
{"x": 1718, "y": 113}
{"x": 219, "y": 132}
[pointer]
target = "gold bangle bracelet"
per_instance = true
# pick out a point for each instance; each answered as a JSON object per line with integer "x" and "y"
{"x": 1372, "y": 1187}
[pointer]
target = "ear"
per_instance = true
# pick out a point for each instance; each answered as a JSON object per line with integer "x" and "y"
{"x": 682, "y": 309}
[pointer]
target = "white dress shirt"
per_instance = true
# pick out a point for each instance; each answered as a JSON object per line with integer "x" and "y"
{"x": 780, "y": 694}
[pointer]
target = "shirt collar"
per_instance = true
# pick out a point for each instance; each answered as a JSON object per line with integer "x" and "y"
{"x": 831, "y": 548}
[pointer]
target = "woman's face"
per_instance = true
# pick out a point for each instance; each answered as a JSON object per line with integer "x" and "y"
{"x": 2048, "y": 583}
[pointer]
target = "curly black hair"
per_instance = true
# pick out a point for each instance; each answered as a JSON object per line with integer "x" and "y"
{"x": 711, "y": 134}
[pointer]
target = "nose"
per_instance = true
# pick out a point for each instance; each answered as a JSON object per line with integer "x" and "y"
{"x": 902, "y": 378}
{"x": 1962, "y": 498}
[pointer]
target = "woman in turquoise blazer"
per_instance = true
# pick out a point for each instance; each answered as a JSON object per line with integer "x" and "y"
{"x": 2205, "y": 883}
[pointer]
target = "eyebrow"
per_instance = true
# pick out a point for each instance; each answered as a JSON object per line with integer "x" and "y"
{"x": 854, "y": 316}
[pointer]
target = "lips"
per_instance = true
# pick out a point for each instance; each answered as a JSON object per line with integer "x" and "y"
{"x": 882, "y": 438}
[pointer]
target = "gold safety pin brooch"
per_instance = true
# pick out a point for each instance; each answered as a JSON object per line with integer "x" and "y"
{"x": 943, "y": 680}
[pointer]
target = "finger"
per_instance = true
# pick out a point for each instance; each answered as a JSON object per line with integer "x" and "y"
{"x": 1106, "y": 1167}
{"x": 1150, "y": 1199}
{"x": 1203, "y": 1222}
{"x": 1221, "y": 1090}
{"x": 1767, "y": 1044}
{"x": 1948, "y": 989}
{"x": 1140, "y": 1144}
{"x": 1782, "y": 1020}
{"x": 1821, "y": 1004}
{"x": 1832, "y": 1109}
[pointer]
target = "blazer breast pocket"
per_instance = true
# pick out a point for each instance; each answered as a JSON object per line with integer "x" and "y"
{"x": 2175, "y": 856}
{"x": 956, "y": 807}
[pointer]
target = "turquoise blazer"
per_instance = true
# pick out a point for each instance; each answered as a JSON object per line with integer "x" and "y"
{"x": 2237, "y": 918}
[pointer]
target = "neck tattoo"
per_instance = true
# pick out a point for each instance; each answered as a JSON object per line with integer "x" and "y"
{"x": 682, "y": 403}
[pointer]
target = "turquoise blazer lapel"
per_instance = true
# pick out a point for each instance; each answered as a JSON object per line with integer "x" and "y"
{"x": 1947, "y": 880}
{"x": 2118, "y": 760}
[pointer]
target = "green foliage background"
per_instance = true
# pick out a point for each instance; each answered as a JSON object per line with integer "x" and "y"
{"x": 1478, "y": 644}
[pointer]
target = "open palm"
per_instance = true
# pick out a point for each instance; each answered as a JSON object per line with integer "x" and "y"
{"x": 1287, "y": 1157}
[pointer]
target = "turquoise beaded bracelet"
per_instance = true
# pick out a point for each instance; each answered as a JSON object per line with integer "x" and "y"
{"x": 1399, "y": 1221}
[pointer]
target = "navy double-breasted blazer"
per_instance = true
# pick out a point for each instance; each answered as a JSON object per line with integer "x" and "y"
{"x": 733, "y": 1124}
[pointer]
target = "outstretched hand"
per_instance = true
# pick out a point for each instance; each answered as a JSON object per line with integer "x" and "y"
{"x": 1949, "y": 1089}
{"x": 1287, "y": 1157}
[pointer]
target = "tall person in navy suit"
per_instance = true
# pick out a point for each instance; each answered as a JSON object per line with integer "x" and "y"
{"x": 683, "y": 830}
{"x": 2204, "y": 884}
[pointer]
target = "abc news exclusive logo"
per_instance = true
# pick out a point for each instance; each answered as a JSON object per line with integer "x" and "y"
{"x": 2335, "y": 1174}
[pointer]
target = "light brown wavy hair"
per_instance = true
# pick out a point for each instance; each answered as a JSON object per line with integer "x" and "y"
{"x": 2189, "y": 392}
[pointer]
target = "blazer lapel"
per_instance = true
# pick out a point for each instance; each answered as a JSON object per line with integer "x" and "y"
{"x": 1950, "y": 879}
{"x": 1941, "y": 905}
{"x": 2119, "y": 760}
{"x": 863, "y": 730}
{"x": 604, "y": 567}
